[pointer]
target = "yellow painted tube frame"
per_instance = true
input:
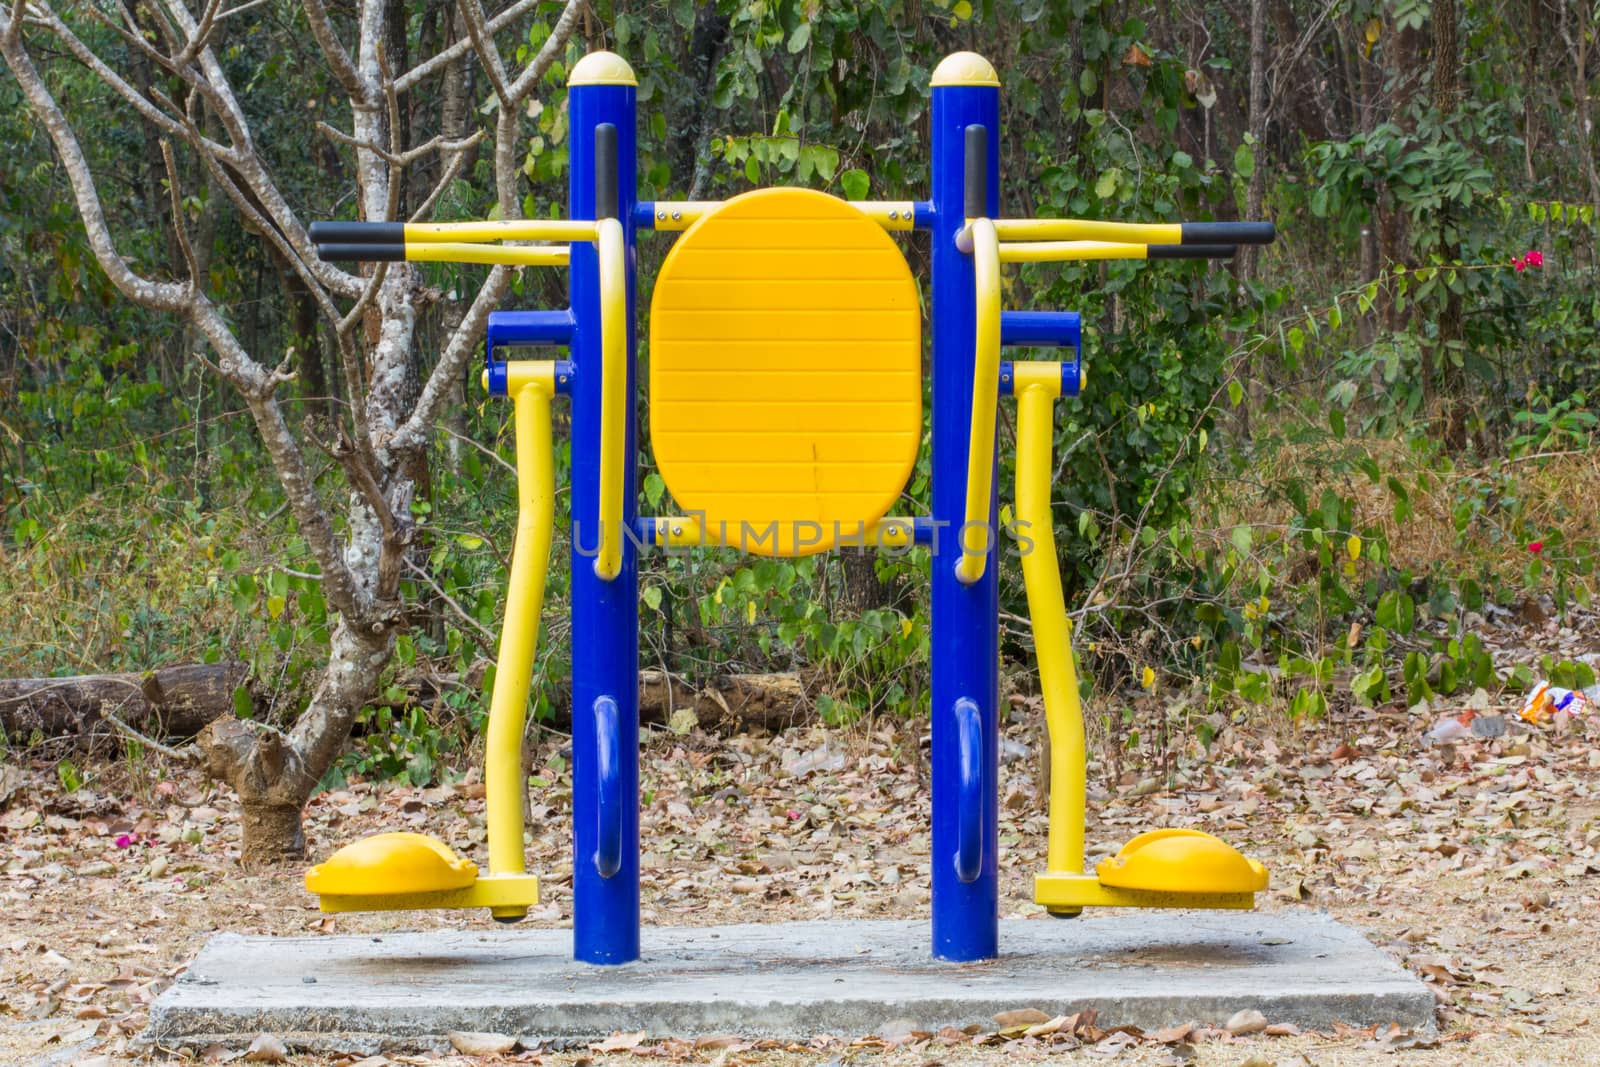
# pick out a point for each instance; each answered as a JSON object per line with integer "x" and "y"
{"x": 497, "y": 255}
{"x": 1047, "y": 614}
{"x": 564, "y": 230}
{"x": 985, "y": 398}
{"x": 530, "y": 562}
{"x": 613, "y": 393}
{"x": 890, "y": 532}
{"x": 1070, "y": 251}
{"x": 674, "y": 215}
{"x": 1137, "y": 233}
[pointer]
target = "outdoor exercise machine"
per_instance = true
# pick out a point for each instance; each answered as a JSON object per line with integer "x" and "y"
{"x": 786, "y": 417}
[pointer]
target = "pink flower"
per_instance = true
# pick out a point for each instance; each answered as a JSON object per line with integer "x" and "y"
{"x": 1519, "y": 265}
{"x": 126, "y": 840}
{"x": 1534, "y": 258}
{"x": 1536, "y": 547}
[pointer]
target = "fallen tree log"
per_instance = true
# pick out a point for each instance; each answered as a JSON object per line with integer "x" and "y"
{"x": 180, "y": 701}
{"x": 727, "y": 704}
{"x": 167, "y": 702}
{"x": 730, "y": 703}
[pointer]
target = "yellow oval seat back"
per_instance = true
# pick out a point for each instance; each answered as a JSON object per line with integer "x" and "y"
{"x": 385, "y": 864}
{"x": 785, "y": 372}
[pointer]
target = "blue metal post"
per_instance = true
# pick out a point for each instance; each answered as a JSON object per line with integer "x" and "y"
{"x": 605, "y": 617}
{"x": 965, "y": 640}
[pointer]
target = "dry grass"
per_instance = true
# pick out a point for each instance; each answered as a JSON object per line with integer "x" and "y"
{"x": 1519, "y": 501}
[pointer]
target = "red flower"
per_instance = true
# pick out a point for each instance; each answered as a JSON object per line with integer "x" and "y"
{"x": 1536, "y": 547}
{"x": 1518, "y": 265}
{"x": 1534, "y": 258}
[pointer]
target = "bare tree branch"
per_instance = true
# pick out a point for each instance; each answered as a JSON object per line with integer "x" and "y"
{"x": 161, "y": 296}
{"x": 443, "y": 59}
{"x": 415, "y": 431}
{"x": 182, "y": 231}
{"x": 334, "y": 52}
{"x": 200, "y": 36}
{"x": 410, "y": 155}
{"x": 488, "y": 53}
{"x": 83, "y": 54}
{"x": 452, "y": 170}
{"x": 552, "y": 47}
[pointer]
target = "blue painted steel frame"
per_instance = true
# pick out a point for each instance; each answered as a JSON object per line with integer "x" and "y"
{"x": 605, "y": 615}
{"x": 965, "y": 618}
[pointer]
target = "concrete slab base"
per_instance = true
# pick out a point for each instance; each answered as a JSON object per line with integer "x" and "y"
{"x": 792, "y": 980}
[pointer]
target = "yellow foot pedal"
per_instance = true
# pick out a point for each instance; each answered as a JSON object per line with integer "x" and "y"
{"x": 1159, "y": 869}
{"x": 406, "y": 871}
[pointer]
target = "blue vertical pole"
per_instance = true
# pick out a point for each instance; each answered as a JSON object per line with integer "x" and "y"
{"x": 605, "y": 616}
{"x": 965, "y": 652}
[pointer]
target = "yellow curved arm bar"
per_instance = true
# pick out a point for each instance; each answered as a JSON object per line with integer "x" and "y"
{"x": 530, "y": 562}
{"x": 1136, "y": 233}
{"x": 500, "y": 230}
{"x": 1047, "y": 613}
{"x": 1061, "y": 251}
{"x": 501, "y": 255}
{"x": 985, "y": 398}
{"x": 613, "y": 393}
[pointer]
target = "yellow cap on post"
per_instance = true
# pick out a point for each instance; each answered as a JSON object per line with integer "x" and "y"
{"x": 602, "y": 68}
{"x": 965, "y": 68}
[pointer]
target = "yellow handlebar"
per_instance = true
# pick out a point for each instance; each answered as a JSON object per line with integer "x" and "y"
{"x": 501, "y": 230}
{"x": 1070, "y": 251}
{"x": 613, "y": 393}
{"x": 496, "y": 255}
{"x": 1047, "y": 613}
{"x": 1138, "y": 233}
{"x": 985, "y": 398}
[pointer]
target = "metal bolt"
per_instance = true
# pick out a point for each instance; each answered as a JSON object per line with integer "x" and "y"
{"x": 893, "y": 214}
{"x": 677, "y": 530}
{"x": 562, "y": 379}
{"x": 661, "y": 215}
{"x": 676, "y": 216}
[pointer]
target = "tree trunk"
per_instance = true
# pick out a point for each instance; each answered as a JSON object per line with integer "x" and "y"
{"x": 1446, "y": 63}
{"x": 863, "y": 589}
{"x": 275, "y": 773}
{"x": 1255, "y": 192}
{"x": 391, "y": 424}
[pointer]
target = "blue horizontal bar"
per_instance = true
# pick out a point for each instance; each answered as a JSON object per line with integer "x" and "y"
{"x": 644, "y": 215}
{"x": 1041, "y": 329}
{"x": 922, "y": 214}
{"x": 509, "y": 329}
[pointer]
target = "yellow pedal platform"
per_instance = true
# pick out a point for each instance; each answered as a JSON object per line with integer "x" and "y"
{"x": 1168, "y": 868}
{"x": 407, "y": 871}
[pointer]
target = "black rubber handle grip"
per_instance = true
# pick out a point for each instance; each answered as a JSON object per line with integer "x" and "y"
{"x": 1190, "y": 251}
{"x": 975, "y": 172}
{"x": 354, "y": 253}
{"x": 366, "y": 233}
{"x": 1229, "y": 233}
{"x": 605, "y": 171}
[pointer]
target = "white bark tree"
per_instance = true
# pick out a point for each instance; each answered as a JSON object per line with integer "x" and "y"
{"x": 371, "y": 315}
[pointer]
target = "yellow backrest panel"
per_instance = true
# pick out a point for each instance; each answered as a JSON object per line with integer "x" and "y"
{"x": 785, "y": 371}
